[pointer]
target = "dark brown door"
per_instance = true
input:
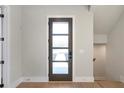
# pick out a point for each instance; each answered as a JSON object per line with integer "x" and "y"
{"x": 60, "y": 49}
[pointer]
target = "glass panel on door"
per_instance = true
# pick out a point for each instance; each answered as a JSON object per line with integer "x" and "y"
{"x": 60, "y": 68}
{"x": 60, "y": 55}
{"x": 60, "y": 27}
{"x": 60, "y": 41}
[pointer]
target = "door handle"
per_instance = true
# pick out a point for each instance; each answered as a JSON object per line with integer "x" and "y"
{"x": 70, "y": 55}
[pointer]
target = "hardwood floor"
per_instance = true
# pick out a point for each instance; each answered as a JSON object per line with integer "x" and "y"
{"x": 110, "y": 84}
{"x": 66, "y": 84}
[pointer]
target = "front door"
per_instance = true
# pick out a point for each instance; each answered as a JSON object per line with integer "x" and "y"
{"x": 60, "y": 49}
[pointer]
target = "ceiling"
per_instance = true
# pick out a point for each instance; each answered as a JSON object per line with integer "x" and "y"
{"x": 106, "y": 17}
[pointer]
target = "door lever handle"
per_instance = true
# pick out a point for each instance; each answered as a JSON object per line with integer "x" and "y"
{"x": 70, "y": 55}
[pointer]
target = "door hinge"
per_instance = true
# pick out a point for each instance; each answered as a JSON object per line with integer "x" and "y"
{"x": 2, "y": 15}
{"x": 1, "y": 62}
{"x": 2, "y": 39}
{"x": 1, "y": 85}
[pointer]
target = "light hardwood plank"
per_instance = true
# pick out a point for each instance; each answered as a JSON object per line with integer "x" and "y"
{"x": 66, "y": 84}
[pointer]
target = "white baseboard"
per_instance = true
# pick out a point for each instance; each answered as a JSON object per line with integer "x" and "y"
{"x": 28, "y": 79}
{"x": 35, "y": 79}
{"x": 45, "y": 79}
{"x": 122, "y": 79}
{"x": 83, "y": 79}
{"x": 99, "y": 78}
{"x": 16, "y": 83}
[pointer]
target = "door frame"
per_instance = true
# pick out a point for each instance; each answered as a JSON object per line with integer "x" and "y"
{"x": 6, "y": 66}
{"x": 47, "y": 33}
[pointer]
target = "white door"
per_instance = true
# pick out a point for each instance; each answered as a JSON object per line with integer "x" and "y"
{"x": 99, "y": 64}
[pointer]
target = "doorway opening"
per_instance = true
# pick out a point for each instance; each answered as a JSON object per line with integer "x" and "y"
{"x": 60, "y": 49}
{"x": 99, "y": 62}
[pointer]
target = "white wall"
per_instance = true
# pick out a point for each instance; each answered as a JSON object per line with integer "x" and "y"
{"x": 35, "y": 43}
{"x": 100, "y": 39}
{"x": 115, "y": 52}
{"x": 14, "y": 44}
{"x": 100, "y": 62}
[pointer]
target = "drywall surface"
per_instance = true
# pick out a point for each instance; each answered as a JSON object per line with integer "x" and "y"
{"x": 100, "y": 39}
{"x": 115, "y": 51}
{"x": 35, "y": 40}
{"x": 100, "y": 62}
{"x": 14, "y": 40}
{"x": 105, "y": 17}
